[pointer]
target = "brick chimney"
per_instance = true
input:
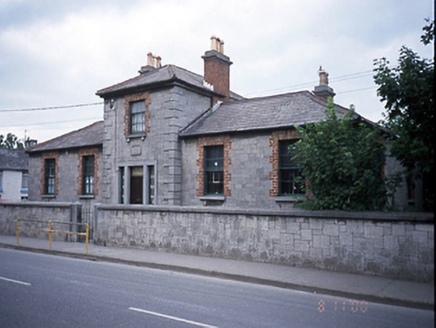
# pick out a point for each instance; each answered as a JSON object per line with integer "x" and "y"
{"x": 323, "y": 90}
{"x": 153, "y": 63}
{"x": 217, "y": 69}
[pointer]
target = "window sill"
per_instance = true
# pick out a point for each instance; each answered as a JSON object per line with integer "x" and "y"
{"x": 213, "y": 200}
{"x": 86, "y": 196}
{"x": 289, "y": 199}
{"x": 48, "y": 196}
{"x": 141, "y": 136}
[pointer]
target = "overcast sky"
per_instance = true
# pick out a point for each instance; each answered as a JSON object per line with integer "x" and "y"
{"x": 56, "y": 53}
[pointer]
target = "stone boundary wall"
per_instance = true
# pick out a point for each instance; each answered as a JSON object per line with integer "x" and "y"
{"x": 396, "y": 245}
{"x": 43, "y": 211}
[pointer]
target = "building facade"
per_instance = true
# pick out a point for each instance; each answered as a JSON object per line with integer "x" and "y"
{"x": 173, "y": 137}
{"x": 67, "y": 168}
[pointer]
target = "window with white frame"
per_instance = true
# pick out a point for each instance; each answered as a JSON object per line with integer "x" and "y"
{"x": 137, "y": 117}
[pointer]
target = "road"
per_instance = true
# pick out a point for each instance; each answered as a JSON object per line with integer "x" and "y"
{"x": 39, "y": 290}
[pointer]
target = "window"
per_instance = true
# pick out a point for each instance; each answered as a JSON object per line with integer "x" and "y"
{"x": 151, "y": 186}
{"x": 1, "y": 181}
{"x": 24, "y": 182}
{"x": 121, "y": 185}
{"x": 50, "y": 176}
{"x": 137, "y": 117}
{"x": 88, "y": 175}
{"x": 214, "y": 170}
{"x": 289, "y": 171}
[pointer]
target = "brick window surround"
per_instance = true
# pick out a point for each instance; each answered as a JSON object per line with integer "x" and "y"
{"x": 87, "y": 152}
{"x": 274, "y": 159}
{"x": 44, "y": 156}
{"x": 145, "y": 96}
{"x": 202, "y": 142}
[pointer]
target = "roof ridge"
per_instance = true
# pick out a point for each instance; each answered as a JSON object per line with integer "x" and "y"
{"x": 186, "y": 70}
{"x": 171, "y": 69}
{"x": 120, "y": 84}
{"x": 274, "y": 96}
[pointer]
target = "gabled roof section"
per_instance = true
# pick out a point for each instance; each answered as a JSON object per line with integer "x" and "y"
{"x": 165, "y": 75}
{"x": 13, "y": 160}
{"x": 92, "y": 135}
{"x": 263, "y": 113}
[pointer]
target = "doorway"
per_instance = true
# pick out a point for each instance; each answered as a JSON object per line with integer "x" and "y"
{"x": 136, "y": 184}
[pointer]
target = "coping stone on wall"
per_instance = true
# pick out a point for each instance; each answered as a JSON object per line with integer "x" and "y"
{"x": 373, "y": 216}
{"x": 42, "y": 204}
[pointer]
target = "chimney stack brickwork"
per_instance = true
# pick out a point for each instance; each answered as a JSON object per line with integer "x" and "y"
{"x": 217, "y": 69}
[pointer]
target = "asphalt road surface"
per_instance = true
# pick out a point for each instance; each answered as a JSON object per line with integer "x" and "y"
{"x": 47, "y": 291}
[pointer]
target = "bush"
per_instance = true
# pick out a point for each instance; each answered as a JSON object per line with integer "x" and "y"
{"x": 342, "y": 161}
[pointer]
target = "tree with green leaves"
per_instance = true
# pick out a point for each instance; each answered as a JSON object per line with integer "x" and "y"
{"x": 407, "y": 91}
{"x": 341, "y": 161}
{"x": 11, "y": 141}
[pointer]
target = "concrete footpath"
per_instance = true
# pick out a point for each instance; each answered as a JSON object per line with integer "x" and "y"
{"x": 352, "y": 286}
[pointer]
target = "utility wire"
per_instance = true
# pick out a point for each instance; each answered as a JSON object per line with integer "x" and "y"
{"x": 360, "y": 89}
{"x": 49, "y": 108}
{"x": 333, "y": 79}
{"x": 53, "y": 122}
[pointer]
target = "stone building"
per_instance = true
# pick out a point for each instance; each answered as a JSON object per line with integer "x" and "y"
{"x": 173, "y": 137}
{"x": 14, "y": 165}
{"x": 67, "y": 168}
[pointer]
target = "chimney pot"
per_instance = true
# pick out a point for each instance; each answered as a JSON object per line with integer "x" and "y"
{"x": 215, "y": 43}
{"x": 153, "y": 62}
{"x": 323, "y": 90}
{"x": 150, "y": 60}
{"x": 323, "y": 77}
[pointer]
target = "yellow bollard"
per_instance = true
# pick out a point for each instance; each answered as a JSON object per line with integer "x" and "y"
{"x": 87, "y": 236}
{"x": 49, "y": 234}
{"x": 18, "y": 232}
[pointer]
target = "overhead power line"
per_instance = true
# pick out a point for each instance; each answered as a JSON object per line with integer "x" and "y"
{"x": 49, "y": 108}
{"x": 335, "y": 79}
{"x": 50, "y": 123}
{"x": 332, "y": 79}
{"x": 360, "y": 89}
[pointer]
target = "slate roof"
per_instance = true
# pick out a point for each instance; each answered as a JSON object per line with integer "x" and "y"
{"x": 13, "y": 160}
{"x": 92, "y": 135}
{"x": 164, "y": 75}
{"x": 278, "y": 111}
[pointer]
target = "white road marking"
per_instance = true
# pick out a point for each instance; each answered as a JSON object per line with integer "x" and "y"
{"x": 15, "y": 281}
{"x": 172, "y": 318}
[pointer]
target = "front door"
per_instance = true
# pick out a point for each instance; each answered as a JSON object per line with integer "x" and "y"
{"x": 136, "y": 184}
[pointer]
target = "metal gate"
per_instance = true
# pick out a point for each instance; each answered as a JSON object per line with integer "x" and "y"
{"x": 86, "y": 215}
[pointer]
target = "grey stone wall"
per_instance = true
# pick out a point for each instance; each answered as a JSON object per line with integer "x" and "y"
{"x": 34, "y": 182}
{"x": 385, "y": 244}
{"x": 250, "y": 170}
{"x": 67, "y": 178}
{"x": 41, "y": 211}
{"x": 170, "y": 110}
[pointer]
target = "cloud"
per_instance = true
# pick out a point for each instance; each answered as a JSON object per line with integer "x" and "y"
{"x": 62, "y": 52}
